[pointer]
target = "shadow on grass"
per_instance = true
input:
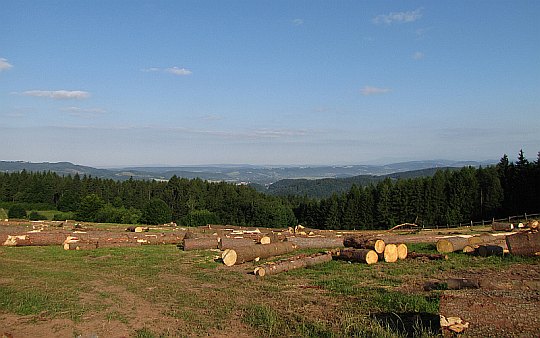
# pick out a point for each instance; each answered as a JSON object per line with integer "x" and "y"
{"x": 410, "y": 324}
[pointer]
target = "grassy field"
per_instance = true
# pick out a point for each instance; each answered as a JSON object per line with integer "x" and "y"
{"x": 161, "y": 291}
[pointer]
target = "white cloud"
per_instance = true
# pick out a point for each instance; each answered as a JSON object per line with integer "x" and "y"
{"x": 368, "y": 90}
{"x": 179, "y": 71}
{"x": 418, "y": 56}
{"x": 398, "y": 17}
{"x": 4, "y": 64}
{"x": 298, "y": 22}
{"x": 172, "y": 70}
{"x": 58, "y": 94}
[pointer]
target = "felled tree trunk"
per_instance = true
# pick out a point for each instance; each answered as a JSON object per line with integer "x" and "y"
{"x": 451, "y": 244}
{"x": 80, "y": 246}
{"x": 249, "y": 253}
{"x": 483, "y": 238}
{"x": 159, "y": 238}
{"x": 524, "y": 244}
{"x": 363, "y": 242}
{"x": 200, "y": 243}
{"x": 496, "y": 226}
{"x": 490, "y": 250}
{"x": 291, "y": 264}
{"x": 35, "y": 239}
{"x": 358, "y": 255}
{"x": 232, "y": 243}
{"x": 316, "y": 242}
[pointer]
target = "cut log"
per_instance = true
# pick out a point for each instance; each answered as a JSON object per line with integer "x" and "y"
{"x": 118, "y": 245}
{"x": 451, "y": 244}
{"x": 497, "y": 226}
{"x": 316, "y": 242}
{"x": 363, "y": 242}
{"x": 390, "y": 254}
{"x": 269, "y": 238}
{"x": 232, "y": 243}
{"x": 199, "y": 243}
{"x": 80, "y": 246}
{"x": 291, "y": 264}
{"x": 470, "y": 249}
{"x": 402, "y": 251}
{"x": 490, "y": 250}
{"x": 483, "y": 238}
{"x": 250, "y": 253}
{"x": 414, "y": 255}
{"x": 524, "y": 244}
{"x": 358, "y": 255}
{"x": 35, "y": 239}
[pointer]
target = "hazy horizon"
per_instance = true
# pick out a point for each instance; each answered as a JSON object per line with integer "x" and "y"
{"x": 108, "y": 83}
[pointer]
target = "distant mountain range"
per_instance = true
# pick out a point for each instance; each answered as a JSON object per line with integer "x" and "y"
{"x": 246, "y": 174}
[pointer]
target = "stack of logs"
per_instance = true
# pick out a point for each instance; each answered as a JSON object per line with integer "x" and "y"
{"x": 370, "y": 250}
{"x": 91, "y": 240}
{"x": 524, "y": 243}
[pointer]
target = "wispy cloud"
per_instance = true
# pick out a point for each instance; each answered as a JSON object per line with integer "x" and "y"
{"x": 172, "y": 70}
{"x": 179, "y": 71}
{"x": 58, "y": 94}
{"x": 212, "y": 117}
{"x": 298, "y": 22}
{"x": 398, "y": 17}
{"x": 4, "y": 64}
{"x": 369, "y": 90}
{"x": 84, "y": 112}
{"x": 418, "y": 56}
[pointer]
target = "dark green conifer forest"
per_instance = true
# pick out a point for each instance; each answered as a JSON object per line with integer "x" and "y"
{"x": 447, "y": 197}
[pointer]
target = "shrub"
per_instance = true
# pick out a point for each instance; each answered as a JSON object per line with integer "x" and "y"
{"x": 36, "y": 216}
{"x": 17, "y": 211}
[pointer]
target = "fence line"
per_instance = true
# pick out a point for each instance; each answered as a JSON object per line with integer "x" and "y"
{"x": 482, "y": 222}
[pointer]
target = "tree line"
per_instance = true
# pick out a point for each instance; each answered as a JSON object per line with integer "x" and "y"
{"x": 447, "y": 197}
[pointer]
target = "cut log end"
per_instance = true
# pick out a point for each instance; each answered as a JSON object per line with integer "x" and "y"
{"x": 229, "y": 257}
{"x": 259, "y": 272}
{"x": 265, "y": 240}
{"x": 402, "y": 251}
{"x": 390, "y": 254}
{"x": 372, "y": 257}
{"x": 379, "y": 246}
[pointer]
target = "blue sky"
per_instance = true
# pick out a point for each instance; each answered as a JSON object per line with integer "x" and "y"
{"x": 109, "y": 83}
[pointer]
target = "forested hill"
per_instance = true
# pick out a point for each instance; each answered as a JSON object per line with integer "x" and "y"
{"x": 242, "y": 173}
{"x": 323, "y": 188}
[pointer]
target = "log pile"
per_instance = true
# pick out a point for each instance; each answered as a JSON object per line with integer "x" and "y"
{"x": 97, "y": 239}
{"x": 366, "y": 256}
{"x": 365, "y": 242}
